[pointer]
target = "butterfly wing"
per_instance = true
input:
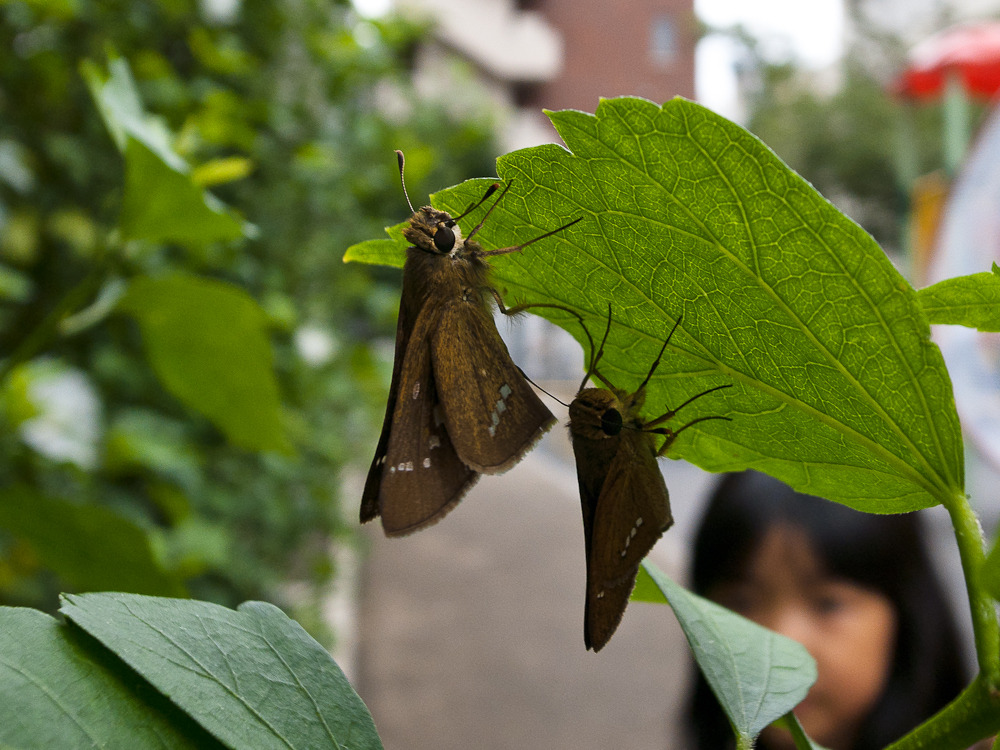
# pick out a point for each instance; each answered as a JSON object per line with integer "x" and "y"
{"x": 405, "y": 324}
{"x": 631, "y": 514}
{"x": 421, "y": 476}
{"x": 492, "y": 414}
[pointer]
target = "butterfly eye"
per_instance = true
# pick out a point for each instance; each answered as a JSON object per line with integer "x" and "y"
{"x": 444, "y": 239}
{"x": 611, "y": 422}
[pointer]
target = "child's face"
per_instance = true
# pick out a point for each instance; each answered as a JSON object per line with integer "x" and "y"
{"x": 850, "y": 631}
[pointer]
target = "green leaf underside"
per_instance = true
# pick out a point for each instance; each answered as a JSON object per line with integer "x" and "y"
{"x": 207, "y": 342}
{"x": 838, "y": 390}
{"x": 757, "y": 675}
{"x": 251, "y": 677}
{"x": 972, "y": 301}
{"x": 55, "y": 691}
{"x": 391, "y": 252}
{"x": 91, "y": 547}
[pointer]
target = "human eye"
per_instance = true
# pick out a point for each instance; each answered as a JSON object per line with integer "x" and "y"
{"x": 833, "y": 599}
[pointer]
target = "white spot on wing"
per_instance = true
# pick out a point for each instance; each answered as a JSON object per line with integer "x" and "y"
{"x": 416, "y": 390}
{"x": 433, "y": 442}
{"x": 427, "y": 463}
{"x": 499, "y": 408}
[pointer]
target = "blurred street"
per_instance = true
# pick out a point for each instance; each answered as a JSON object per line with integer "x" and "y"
{"x": 471, "y": 632}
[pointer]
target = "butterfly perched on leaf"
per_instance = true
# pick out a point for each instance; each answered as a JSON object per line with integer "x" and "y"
{"x": 623, "y": 496}
{"x": 458, "y": 406}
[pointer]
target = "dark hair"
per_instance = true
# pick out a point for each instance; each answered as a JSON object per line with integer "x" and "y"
{"x": 882, "y": 553}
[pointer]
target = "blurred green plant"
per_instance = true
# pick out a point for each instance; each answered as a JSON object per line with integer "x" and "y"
{"x": 181, "y": 380}
{"x": 859, "y": 145}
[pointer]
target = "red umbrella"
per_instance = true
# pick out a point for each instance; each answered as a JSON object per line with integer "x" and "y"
{"x": 970, "y": 52}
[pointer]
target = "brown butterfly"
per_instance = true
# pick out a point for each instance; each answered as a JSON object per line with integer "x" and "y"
{"x": 458, "y": 406}
{"x": 626, "y": 507}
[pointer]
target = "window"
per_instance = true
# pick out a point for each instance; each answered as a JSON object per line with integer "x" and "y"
{"x": 663, "y": 39}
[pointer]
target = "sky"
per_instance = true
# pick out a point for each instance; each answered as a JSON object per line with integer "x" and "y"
{"x": 811, "y": 32}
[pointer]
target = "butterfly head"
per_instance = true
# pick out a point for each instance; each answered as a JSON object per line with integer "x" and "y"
{"x": 596, "y": 413}
{"x": 434, "y": 232}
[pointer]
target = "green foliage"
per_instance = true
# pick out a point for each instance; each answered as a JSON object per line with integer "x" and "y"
{"x": 758, "y": 677}
{"x": 212, "y": 436}
{"x": 58, "y": 691}
{"x": 207, "y": 342}
{"x": 136, "y": 671}
{"x": 65, "y": 536}
{"x": 991, "y": 571}
{"x": 972, "y": 301}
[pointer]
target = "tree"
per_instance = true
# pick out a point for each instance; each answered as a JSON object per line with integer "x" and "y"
{"x": 222, "y": 358}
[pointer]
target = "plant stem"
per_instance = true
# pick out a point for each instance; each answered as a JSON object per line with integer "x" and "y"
{"x": 973, "y": 715}
{"x": 986, "y": 632}
{"x": 48, "y": 330}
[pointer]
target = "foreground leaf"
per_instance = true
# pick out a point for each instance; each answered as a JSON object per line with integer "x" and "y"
{"x": 972, "y": 301}
{"x": 56, "y": 690}
{"x": 207, "y": 343}
{"x": 838, "y": 390}
{"x": 251, "y": 677}
{"x": 88, "y": 546}
{"x": 757, "y": 675}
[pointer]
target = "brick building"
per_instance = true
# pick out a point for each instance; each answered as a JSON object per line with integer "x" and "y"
{"x": 526, "y": 55}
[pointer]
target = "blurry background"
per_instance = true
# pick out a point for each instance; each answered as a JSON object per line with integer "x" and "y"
{"x": 467, "y": 634}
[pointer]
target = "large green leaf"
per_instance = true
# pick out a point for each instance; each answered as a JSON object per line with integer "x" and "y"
{"x": 161, "y": 201}
{"x": 90, "y": 547}
{"x": 58, "y": 690}
{"x": 838, "y": 390}
{"x": 207, "y": 342}
{"x": 757, "y": 675}
{"x": 251, "y": 677}
{"x": 163, "y": 204}
{"x": 972, "y": 301}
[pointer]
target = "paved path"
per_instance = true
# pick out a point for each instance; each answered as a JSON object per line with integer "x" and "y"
{"x": 471, "y": 632}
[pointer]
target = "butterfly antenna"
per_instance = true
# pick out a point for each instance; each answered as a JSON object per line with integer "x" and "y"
{"x": 659, "y": 356}
{"x": 596, "y": 357}
{"x": 672, "y": 435}
{"x": 473, "y": 206}
{"x": 530, "y": 305}
{"x": 553, "y": 397}
{"x": 402, "y": 161}
{"x": 496, "y": 203}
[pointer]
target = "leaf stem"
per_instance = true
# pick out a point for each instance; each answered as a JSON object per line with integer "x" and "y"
{"x": 47, "y": 330}
{"x": 971, "y": 547}
{"x": 973, "y": 715}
